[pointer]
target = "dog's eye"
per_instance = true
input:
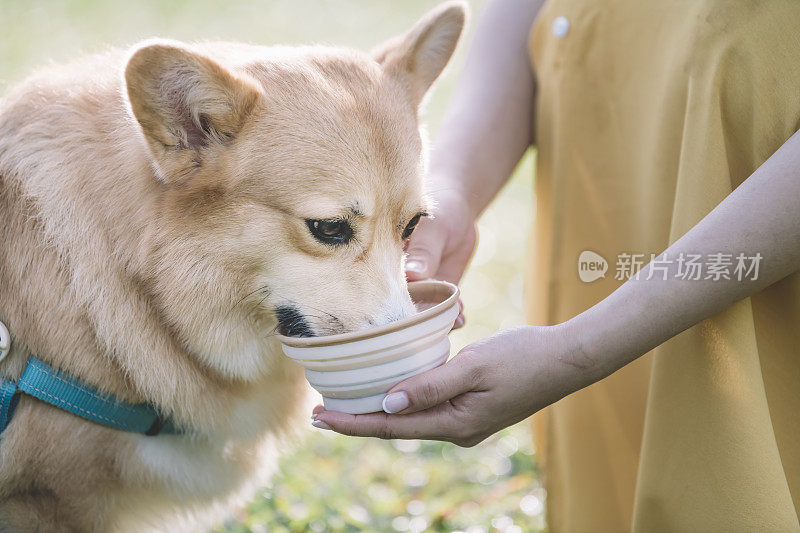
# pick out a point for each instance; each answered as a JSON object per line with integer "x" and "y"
{"x": 333, "y": 231}
{"x": 411, "y": 225}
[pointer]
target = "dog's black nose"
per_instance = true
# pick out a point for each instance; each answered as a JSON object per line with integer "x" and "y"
{"x": 292, "y": 323}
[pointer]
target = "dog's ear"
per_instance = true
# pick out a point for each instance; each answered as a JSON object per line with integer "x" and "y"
{"x": 186, "y": 104}
{"x": 420, "y": 55}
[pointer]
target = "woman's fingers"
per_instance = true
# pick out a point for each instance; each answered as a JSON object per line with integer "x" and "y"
{"x": 425, "y": 250}
{"x": 417, "y": 408}
{"x": 431, "y": 388}
{"x": 460, "y": 319}
{"x": 439, "y": 423}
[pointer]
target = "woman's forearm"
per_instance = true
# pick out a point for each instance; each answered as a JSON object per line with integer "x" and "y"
{"x": 760, "y": 219}
{"x": 488, "y": 125}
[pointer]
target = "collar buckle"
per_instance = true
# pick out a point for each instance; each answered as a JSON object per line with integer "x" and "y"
{"x": 5, "y": 341}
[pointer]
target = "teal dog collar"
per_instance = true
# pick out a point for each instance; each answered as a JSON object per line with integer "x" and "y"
{"x": 70, "y": 394}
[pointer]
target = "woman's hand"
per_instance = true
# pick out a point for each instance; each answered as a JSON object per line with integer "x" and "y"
{"x": 442, "y": 245}
{"x": 489, "y": 385}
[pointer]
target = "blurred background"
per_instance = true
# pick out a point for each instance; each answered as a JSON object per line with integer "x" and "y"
{"x": 329, "y": 482}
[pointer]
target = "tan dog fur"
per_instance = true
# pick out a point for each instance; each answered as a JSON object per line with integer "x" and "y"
{"x": 146, "y": 197}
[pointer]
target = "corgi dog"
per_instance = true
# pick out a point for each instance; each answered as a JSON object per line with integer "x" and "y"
{"x": 164, "y": 211}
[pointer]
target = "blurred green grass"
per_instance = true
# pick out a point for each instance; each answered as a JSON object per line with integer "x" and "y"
{"x": 329, "y": 482}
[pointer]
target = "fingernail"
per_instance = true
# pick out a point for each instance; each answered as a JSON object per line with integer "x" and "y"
{"x": 415, "y": 266}
{"x": 320, "y": 424}
{"x": 314, "y": 416}
{"x": 395, "y": 402}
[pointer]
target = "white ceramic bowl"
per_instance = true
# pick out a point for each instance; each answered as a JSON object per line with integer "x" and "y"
{"x": 354, "y": 371}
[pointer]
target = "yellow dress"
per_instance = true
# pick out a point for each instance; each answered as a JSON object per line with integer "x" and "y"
{"x": 649, "y": 113}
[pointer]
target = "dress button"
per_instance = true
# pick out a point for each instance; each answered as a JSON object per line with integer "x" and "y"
{"x": 560, "y": 26}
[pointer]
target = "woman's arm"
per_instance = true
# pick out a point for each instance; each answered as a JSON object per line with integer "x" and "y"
{"x": 761, "y": 217}
{"x": 483, "y": 136}
{"x": 504, "y": 378}
{"x": 488, "y": 125}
